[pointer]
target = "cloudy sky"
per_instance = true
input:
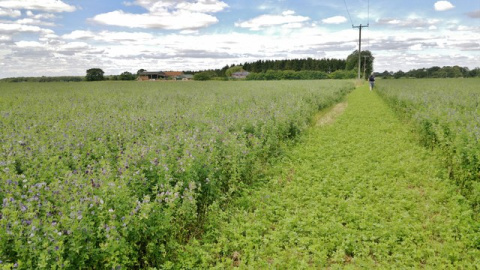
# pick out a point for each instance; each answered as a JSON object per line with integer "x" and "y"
{"x": 66, "y": 37}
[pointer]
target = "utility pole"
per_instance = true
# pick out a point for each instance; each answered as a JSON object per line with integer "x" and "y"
{"x": 365, "y": 65}
{"x": 359, "y": 45}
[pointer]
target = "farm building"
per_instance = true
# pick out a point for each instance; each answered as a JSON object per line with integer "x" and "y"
{"x": 174, "y": 75}
{"x": 178, "y": 76}
{"x": 167, "y": 75}
{"x": 151, "y": 76}
{"x": 240, "y": 74}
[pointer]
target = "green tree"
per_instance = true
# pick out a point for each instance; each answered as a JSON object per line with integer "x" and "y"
{"x": 94, "y": 74}
{"x": 399, "y": 74}
{"x": 203, "y": 76}
{"x": 126, "y": 76}
{"x": 232, "y": 70}
{"x": 366, "y": 64}
{"x": 140, "y": 71}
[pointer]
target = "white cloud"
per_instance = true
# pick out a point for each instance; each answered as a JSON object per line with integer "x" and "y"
{"x": 5, "y": 38}
{"x": 44, "y": 5}
{"x": 29, "y": 44}
{"x": 123, "y": 36}
{"x": 13, "y": 28}
{"x": 41, "y": 16}
{"x": 34, "y": 22}
{"x": 10, "y": 13}
{"x": 166, "y": 14}
{"x": 79, "y": 34}
{"x": 263, "y": 21}
{"x": 416, "y": 47}
{"x": 203, "y": 6}
{"x": 412, "y": 22}
{"x": 443, "y": 5}
{"x": 335, "y": 20}
{"x": 177, "y": 20}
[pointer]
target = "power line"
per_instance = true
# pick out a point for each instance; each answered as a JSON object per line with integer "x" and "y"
{"x": 344, "y": 1}
{"x": 368, "y": 16}
{"x": 359, "y": 34}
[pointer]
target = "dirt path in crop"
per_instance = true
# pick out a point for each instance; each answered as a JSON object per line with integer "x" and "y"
{"x": 358, "y": 193}
{"x": 330, "y": 116}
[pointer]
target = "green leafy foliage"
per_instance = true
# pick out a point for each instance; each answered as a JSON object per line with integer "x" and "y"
{"x": 325, "y": 65}
{"x": 366, "y": 64}
{"x": 45, "y": 79}
{"x": 204, "y": 76}
{"x": 434, "y": 72}
{"x": 445, "y": 112}
{"x": 288, "y": 75}
{"x": 232, "y": 70}
{"x": 127, "y": 76}
{"x": 360, "y": 193}
{"x": 94, "y": 74}
{"x": 122, "y": 174}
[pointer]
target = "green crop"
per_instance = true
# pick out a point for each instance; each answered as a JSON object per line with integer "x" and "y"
{"x": 107, "y": 175}
{"x": 358, "y": 193}
{"x": 446, "y": 114}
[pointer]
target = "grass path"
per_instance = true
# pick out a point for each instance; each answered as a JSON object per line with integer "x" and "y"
{"x": 357, "y": 193}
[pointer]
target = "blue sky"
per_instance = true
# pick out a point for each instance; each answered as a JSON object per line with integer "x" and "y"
{"x": 66, "y": 37}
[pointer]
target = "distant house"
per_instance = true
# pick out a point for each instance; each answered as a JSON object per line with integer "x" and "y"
{"x": 187, "y": 77}
{"x": 151, "y": 76}
{"x": 240, "y": 74}
{"x": 167, "y": 75}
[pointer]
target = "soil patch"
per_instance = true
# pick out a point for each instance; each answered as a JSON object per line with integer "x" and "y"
{"x": 329, "y": 117}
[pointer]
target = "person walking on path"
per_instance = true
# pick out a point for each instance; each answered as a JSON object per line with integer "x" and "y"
{"x": 371, "y": 80}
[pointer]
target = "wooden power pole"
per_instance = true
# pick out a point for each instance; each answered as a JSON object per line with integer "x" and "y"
{"x": 365, "y": 65}
{"x": 359, "y": 46}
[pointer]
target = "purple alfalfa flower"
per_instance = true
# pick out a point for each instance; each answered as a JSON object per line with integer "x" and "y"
{"x": 23, "y": 208}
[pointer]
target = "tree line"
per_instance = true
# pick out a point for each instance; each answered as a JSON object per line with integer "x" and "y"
{"x": 296, "y": 69}
{"x": 45, "y": 79}
{"x": 433, "y": 72}
{"x": 326, "y": 65}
